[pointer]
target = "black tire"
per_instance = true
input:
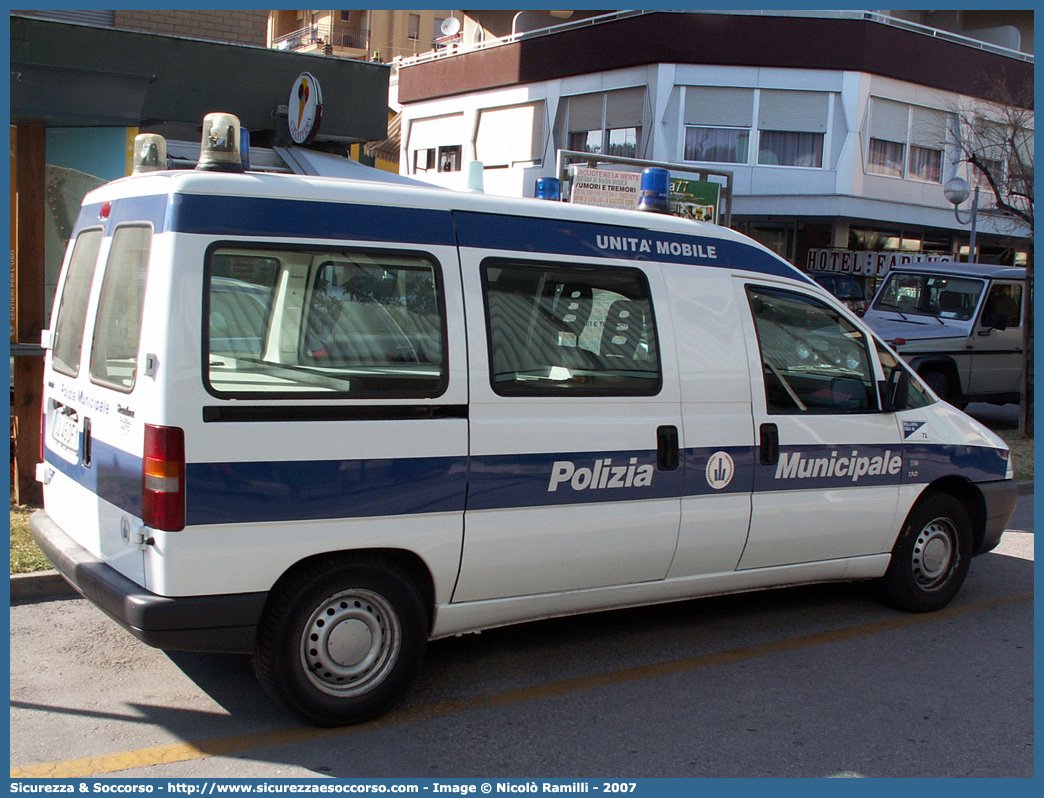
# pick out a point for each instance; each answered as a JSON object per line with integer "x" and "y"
{"x": 341, "y": 640}
{"x": 930, "y": 559}
{"x": 940, "y": 384}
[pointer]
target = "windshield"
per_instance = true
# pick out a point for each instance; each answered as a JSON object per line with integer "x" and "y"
{"x": 941, "y": 296}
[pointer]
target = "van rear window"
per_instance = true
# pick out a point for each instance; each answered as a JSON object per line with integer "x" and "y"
{"x": 72, "y": 309}
{"x": 117, "y": 327}
{"x": 294, "y": 323}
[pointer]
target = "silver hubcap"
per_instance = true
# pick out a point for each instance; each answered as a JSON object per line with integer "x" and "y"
{"x": 935, "y": 554}
{"x": 350, "y": 643}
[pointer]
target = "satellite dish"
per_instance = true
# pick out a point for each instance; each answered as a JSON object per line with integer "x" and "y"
{"x": 450, "y": 26}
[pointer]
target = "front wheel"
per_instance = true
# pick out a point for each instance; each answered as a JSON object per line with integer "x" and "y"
{"x": 940, "y": 385}
{"x": 341, "y": 640}
{"x": 930, "y": 559}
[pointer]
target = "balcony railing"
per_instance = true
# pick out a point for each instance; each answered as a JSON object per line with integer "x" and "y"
{"x": 320, "y": 35}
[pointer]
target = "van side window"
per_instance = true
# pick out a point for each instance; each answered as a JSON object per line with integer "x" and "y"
{"x": 561, "y": 330}
{"x": 117, "y": 327}
{"x": 918, "y": 397}
{"x": 72, "y": 310}
{"x": 813, "y": 359}
{"x": 293, "y": 323}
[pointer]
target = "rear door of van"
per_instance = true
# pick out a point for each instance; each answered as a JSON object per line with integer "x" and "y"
{"x": 93, "y": 434}
{"x": 575, "y": 478}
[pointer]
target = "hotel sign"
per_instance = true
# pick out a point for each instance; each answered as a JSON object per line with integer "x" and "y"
{"x": 866, "y": 264}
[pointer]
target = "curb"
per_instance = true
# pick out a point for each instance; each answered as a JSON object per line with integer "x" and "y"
{"x": 40, "y": 586}
{"x": 48, "y": 585}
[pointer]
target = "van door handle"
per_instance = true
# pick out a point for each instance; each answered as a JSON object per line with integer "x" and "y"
{"x": 667, "y": 448}
{"x": 769, "y": 444}
{"x": 87, "y": 443}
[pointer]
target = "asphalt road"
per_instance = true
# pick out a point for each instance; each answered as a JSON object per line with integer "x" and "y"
{"x": 815, "y": 681}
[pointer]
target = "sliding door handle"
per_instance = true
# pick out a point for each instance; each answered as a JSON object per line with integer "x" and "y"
{"x": 667, "y": 448}
{"x": 769, "y": 444}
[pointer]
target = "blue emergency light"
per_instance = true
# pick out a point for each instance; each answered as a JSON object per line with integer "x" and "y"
{"x": 654, "y": 193}
{"x": 549, "y": 188}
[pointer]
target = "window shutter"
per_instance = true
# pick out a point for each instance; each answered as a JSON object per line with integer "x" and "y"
{"x": 507, "y": 135}
{"x": 889, "y": 120}
{"x": 585, "y": 112}
{"x": 625, "y": 108}
{"x": 797, "y": 111}
{"x": 436, "y": 131}
{"x": 928, "y": 128}
{"x": 710, "y": 106}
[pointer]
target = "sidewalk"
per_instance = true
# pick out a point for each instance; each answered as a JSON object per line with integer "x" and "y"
{"x": 49, "y": 585}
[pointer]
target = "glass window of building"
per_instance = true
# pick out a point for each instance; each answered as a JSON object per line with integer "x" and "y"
{"x": 436, "y": 144}
{"x": 906, "y": 141}
{"x": 889, "y": 130}
{"x": 718, "y": 121}
{"x": 604, "y": 122}
{"x": 792, "y": 127}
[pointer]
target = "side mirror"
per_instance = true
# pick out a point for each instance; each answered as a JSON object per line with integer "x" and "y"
{"x": 1000, "y": 321}
{"x": 895, "y": 391}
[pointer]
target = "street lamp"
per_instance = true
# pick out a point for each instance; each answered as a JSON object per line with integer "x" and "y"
{"x": 957, "y": 191}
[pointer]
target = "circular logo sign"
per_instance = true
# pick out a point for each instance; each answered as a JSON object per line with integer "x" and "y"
{"x": 125, "y": 529}
{"x": 304, "y": 109}
{"x": 720, "y": 469}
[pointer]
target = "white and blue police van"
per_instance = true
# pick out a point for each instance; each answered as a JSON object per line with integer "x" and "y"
{"x": 325, "y": 421}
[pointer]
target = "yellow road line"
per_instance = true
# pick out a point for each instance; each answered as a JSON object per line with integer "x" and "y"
{"x": 238, "y": 744}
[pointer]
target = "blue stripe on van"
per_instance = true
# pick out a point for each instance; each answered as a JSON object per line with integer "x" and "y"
{"x": 974, "y": 463}
{"x": 295, "y": 490}
{"x": 525, "y": 234}
{"x": 251, "y": 492}
{"x": 114, "y": 475}
{"x": 270, "y": 217}
{"x": 541, "y": 480}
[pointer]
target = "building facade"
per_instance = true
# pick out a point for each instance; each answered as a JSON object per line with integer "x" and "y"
{"x": 232, "y": 27}
{"x": 840, "y": 129}
{"x": 375, "y": 35}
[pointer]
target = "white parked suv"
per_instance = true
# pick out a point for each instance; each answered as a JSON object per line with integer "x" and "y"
{"x": 959, "y": 325}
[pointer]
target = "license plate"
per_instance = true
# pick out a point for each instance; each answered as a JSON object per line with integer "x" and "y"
{"x": 65, "y": 431}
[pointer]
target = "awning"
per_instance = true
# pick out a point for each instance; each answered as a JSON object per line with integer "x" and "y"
{"x": 55, "y": 95}
{"x": 388, "y": 149}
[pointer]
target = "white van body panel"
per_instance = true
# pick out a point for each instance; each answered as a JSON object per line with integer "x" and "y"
{"x": 205, "y": 550}
{"x": 512, "y": 550}
{"x": 475, "y": 616}
{"x": 791, "y": 523}
{"x": 510, "y": 503}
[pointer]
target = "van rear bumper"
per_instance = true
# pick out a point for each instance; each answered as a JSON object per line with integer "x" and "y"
{"x": 1000, "y": 499}
{"x": 225, "y": 623}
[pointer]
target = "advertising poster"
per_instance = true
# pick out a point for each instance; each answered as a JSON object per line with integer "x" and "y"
{"x": 606, "y": 188}
{"x": 695, "y": 199}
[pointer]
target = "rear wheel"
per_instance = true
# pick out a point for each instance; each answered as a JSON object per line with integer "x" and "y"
{"x": 341, "y": 640}
{"x": 930, "y": 559}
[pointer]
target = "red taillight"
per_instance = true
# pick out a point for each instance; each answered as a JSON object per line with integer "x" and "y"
{"x": 163, "y": 478}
